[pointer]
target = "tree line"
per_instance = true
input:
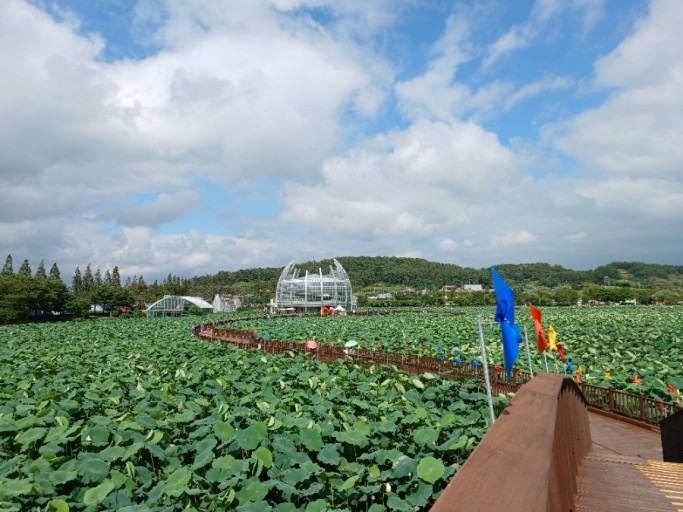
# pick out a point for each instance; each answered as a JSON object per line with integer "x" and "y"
{"x": 25, "y": 294}
{"x": 412, "y": 281}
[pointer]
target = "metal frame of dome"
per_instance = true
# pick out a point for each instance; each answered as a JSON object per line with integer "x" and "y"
{"x": 311, "y": 292}
{"x": 177, "y": 305}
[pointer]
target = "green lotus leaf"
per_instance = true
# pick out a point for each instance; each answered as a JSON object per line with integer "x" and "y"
{"x": 178, "y": 480}
{"x": 224, "y": 431}
{"x": 30, "y": 436}
{"x": 252, "y": 490}
{"x": 250, "y": 437}
{"x": 93, "y": 469}
{"x": 430, "y": 469}
{"x": 17, "y": 487}
{"x": 58, "y": 505}
{"x": 426, "y": 435}
{"x": 264, "y": 456}
{"x": 96, "y": 495}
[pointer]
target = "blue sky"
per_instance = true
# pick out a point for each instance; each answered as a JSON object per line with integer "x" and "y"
{"x": 192, "y": 137}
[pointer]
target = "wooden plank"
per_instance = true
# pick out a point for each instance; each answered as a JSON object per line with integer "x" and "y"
{"x": 621, "y": 438}
{"x": 619, "y": 473}
{"x": 606, "y": 486}
{"x": 512, "y": 468}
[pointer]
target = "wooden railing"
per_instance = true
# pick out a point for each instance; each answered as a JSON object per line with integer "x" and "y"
{"x": 636, "y": 407}
{"x": 529, "y": 459}
{"x": 629, "y": 405}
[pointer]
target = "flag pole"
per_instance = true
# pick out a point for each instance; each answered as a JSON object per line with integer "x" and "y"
{"x": 528, "y": 352}
{"x": 545, "y": 358}
{"x": 486, "y": 371}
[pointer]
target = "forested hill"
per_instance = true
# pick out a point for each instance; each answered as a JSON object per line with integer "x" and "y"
{"x": 366, "y": 271}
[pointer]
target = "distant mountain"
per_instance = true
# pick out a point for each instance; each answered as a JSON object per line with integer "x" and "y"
{"x": 365, "y": 271}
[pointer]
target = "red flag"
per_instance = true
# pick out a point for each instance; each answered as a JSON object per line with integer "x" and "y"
{"x": 560, "y": 350}
{"x": 540, "y": 335}
{"x": 670, "y": 389}
{"x": 661, "y": 406}
{"x": 637, "y": 380}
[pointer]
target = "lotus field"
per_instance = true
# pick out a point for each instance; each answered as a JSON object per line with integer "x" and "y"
{"x": 635, "y": 349}
{"x": 138, "y": 414}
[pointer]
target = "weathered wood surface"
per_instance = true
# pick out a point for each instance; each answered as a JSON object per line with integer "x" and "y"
{"x": 624, "y": 471}
{"x": 527, "y": 460}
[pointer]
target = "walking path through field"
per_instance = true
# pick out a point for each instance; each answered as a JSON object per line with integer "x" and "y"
{"x": 624, "y": 471}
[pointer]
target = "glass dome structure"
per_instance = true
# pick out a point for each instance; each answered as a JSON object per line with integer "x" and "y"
{"x": 312, "y": 291}
{"x": 177, "y": 305}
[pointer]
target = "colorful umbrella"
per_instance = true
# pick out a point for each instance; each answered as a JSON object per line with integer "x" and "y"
{"x": 351, "y": 343}
{"x": 312, "y": 344}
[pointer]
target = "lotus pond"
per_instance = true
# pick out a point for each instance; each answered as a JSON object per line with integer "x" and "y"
{"x": 611, "y": 345}
{"x": 135, "y": 415}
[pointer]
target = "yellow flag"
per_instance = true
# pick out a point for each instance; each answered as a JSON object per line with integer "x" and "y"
{"x": 552, "y": 337}
{"x": 608, "y": 375}
{"x": 678, "y": 396}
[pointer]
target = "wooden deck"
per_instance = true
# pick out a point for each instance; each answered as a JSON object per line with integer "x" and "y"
{"x": 624, "y": 471}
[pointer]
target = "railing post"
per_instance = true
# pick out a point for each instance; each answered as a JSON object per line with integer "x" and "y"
{"x": 610, "y": 399}
{"x": 642, "y": 407}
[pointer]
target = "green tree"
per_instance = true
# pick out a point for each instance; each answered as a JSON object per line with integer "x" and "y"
{"x": 50, "y": 294}
{"x": 79, "y": 305}
{"x": 112, "y": 297}
{"x": 141, "y": 292}
{"x": 25, "y": 269}
{"x": 76, "y": 282}
{"x": 88, "y": 280}
{"x": 155, "y": 291}
{"x": 7, "y": 269}
{"x": 115, "y": 276}
{"x": 565, "y": 295}
{"x": 195, "y": 310}
{"x": 669, "y": 296}
{"x": 54, "y": 272}
{"x": 97, "y": 278}
{"x": 40, "y": 271}
{"x": 17, "y": 297}
{"x": 590, "y": 292}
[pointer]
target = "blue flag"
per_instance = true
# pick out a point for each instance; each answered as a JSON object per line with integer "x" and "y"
{"x": 511, "y": 340}
{"x": 505, "y": 316}
{"x": 505, "y": 308}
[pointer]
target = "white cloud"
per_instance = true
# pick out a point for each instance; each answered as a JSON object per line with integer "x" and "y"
{"x": 448, "y": 245}
{"x": 407, "y": 187}
{"x": 637, "y": 131}
{"x": 164, "y": 209}
{"x": 232, "y": 96}
{"x": 435, "y": 94}
{"x": 522, "y": 237}
{"x": 544, "y": 21}
{"x": 264, "y": 98}
{"x": 369, "y": 100}
{"x": 550, "y": 83}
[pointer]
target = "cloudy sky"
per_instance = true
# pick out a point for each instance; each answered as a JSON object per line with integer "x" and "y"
{"x": 204, "y": 135}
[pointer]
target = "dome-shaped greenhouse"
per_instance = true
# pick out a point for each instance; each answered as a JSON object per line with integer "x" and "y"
{"x": 312, "y": 291}
{"x": 177, "y": 305}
